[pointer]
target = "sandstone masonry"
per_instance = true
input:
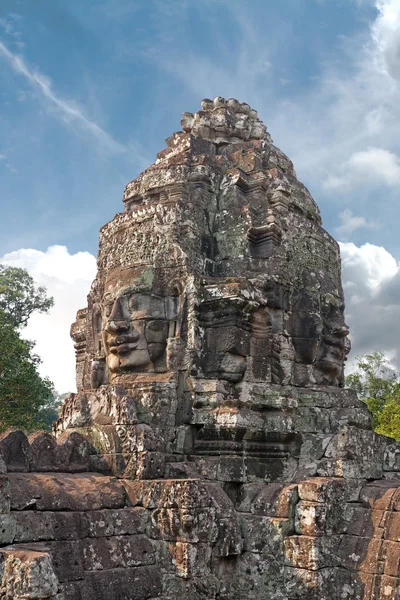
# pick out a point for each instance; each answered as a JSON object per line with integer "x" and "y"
{"x": 211, "y": 451}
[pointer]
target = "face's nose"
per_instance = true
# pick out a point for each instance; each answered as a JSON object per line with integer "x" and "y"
{"x": 117, "y": 321}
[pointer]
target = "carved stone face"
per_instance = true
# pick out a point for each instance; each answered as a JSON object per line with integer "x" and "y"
{"x": 135, "y": 326}
{"x": 133, "y": 335}
{"x": 334, "y": 344}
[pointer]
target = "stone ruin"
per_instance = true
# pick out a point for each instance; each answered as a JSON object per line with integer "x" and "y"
{"x": 211, "y": 451}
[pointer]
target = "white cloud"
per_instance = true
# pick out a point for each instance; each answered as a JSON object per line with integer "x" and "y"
{"x": 376, "y": 164}
{"x": 350, "y": 224}
{"x": 363, "y": 109}
{"x": 67, "y": 278}
{"x": 368, "y": 266}
{"x": 68, "y": 110}
{"x": 387, "y": 35}
{"x": 371, "y": 281}
{"x": 373, "y": 167}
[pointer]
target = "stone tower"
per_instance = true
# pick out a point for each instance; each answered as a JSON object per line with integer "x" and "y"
{"x": 210, "y": 366}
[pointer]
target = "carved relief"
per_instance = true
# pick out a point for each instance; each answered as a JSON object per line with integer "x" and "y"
{"x": 217, "y": 279}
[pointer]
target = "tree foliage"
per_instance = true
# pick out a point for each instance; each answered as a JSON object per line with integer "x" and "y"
{"x": 379, "y": 387}
{"x": 20, "y": 297}
{"x": 23, "y": 392}
{"x": 49, "y": 411}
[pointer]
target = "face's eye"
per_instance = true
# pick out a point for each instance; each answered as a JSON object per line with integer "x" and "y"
{"x": 156, "y": 326}
{"x": 157, "y": 331}
{"x": 134, "y": 303}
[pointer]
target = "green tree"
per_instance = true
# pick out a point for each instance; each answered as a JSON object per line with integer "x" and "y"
{"x": 379, "y": 387}
{"x": 49, "y": 411}
{"x": 23, "y": 392}
{"x": 20, "y": 296}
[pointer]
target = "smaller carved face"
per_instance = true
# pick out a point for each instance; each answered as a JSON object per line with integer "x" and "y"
{"x": 334, "y": 344}
{"x": 135, "y": 329}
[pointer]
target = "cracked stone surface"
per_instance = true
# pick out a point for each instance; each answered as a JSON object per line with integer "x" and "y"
{"x": 211, "y": 451}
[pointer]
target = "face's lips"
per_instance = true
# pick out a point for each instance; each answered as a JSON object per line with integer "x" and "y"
{"x": 123, "y": 348}
{"x": 123, "y": 343}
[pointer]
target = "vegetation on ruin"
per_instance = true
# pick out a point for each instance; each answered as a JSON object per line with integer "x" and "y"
{"x": 26, "y": 399}
{"x": 379, "y": 387}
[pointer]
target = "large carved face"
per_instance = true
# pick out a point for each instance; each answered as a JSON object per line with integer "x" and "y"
{"x": 135, "y": 324}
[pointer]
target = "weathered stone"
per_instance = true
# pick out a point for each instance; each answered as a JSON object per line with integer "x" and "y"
{"x": 65, "y": 492}
{"x": 4, "y": 494}
{"x": 126, "y": 521}
{"x": 8, "y": 529}
{"x": 210, "y": 368}
{"x": 117, "y": 552}
{"x": 27, "y": 575}
{"x": 15, "y": 450}
{"x": 138, "y": 583}
{"x": 33, "y": 528}
{"x": 43, "y": 452}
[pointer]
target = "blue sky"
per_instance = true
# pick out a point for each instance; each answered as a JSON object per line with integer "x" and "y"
{"x": 90, "y": 90}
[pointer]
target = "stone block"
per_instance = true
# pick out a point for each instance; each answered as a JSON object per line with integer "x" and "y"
{"x": 140, "y": 583}
{"x": 185, "y": 525}
{"x": 8, "y": 529}
{"x": 229, "y": 541}
{"x": 5, "y": 494}
{"x": 65, "y": 492}
{"x": 33, "y": 527}
{"x": 74, "y": 451}
{"x": 117, "y": 552}
{"x": 66, "y": 557}
{"x": 392, "y": 526}
{"x": 359, "y": 417}
{"x": 69, "y": 525}
{"x": 349, "y": 469}
{"x": 150, "y": 465}
{"x": 135, "y": 550}
{"x": 99, "y": 554}
{"x": 379, "y": 495}
{"x": 391, "y": 552}
{"x": 118, "y": 463}
{"x": 313, "y": 518}
{"x": 44, "y": 452}
{"x": 15, "y": 451}
{"x": 328, "y": 489}
{"x": 195, "y": 588}
{"x": 231, "y": 468}
{"x": 352, "y": 551}
{"x": 311, "y": 553}
{"x": 373, "y": 557}
{"x": 77, "y": 590}
{"x": 172, "y": 493}
{"x": 381, "y": 587}
{"x": 396, "y": 499}
{"x": 391, "y": 461}
{"x": 27, "y": 575}
{"x": 313, "y": 445}
{"x": 261, "y": 535}
{"x": 351, "y": 443}
{"x": 191, "y": 560}
{"x": 357, "y": 520}
{"x": 124, "y": 521}
{"x": 259, "y": 499}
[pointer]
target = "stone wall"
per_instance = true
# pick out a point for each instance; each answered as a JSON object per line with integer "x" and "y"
{"x": 87, "y": 536}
